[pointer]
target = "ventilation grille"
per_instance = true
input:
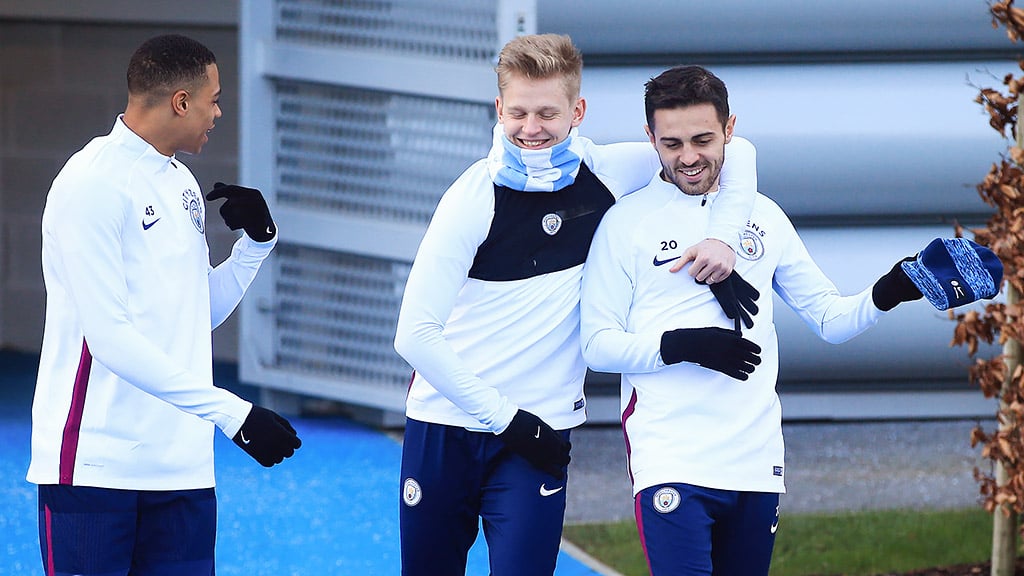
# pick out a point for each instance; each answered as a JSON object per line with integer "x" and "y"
{"x": 450, "y": 29}
{"x": 337, "y": 313}
{"x": 373, "y": 154}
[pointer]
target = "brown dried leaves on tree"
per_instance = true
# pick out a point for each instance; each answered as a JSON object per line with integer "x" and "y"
{"x": 1005, "y": 13}
{"x": 1003, "y": 190}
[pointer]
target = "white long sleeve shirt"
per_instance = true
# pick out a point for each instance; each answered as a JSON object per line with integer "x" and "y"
{"x": 482, "y": 348}
{"x": 683, "y": 422}
{"x": 125, "y": 396}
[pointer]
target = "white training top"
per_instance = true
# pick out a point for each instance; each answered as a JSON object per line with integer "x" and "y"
{"x": 481, "y": 349}
{"x": 685, "y": 423}
{"x": 125, "y": 396}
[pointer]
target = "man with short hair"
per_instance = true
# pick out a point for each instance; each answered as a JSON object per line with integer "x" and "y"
{"x": 125, "y": 407}
{"x": 490, "y": 319}
{"x": 700, "y": 414}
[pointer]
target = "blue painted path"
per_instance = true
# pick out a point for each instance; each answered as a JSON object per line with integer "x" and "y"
{"x": 332, "y": 509}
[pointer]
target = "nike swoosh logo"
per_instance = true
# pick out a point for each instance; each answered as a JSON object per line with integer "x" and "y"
{"x": 663, "y": 262}
{"x": 545, "y": 492}
{"x": 775, "y": 527}
{"x": 150, "y": 225}
{"x": 242, "y": 436}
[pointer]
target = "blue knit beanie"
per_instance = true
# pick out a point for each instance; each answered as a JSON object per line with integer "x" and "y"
{"x": 951, "y": 272}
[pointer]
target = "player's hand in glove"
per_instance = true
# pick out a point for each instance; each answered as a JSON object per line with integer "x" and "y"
{"x": 245, "y": 208}
{"x": 718, "y": 349}
{"x": 894, "y": 287}
{"x": 267, "y": 437}
{"x": 736, "y": 297}
{"x": 531, "y": 438}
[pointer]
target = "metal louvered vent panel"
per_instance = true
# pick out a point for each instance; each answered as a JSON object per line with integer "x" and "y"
{"x": 449, "y": 29}
{"x": 372, "y": 154}
{"x": 336, "y": 315}
{"x": 358, "y": 115}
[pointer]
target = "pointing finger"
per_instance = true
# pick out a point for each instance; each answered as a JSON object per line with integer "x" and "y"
{"x": 216, "y": 194}
{"x": 223, "y": 191}
{"x": 688, "y": 256}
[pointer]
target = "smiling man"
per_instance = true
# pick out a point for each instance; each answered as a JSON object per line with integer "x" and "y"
{"x": 703, "y": 426}
{"x": 490, "y": 319}
{"x": 125, "y": 408}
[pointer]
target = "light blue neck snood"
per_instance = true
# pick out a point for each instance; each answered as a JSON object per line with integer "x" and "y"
{"x": 544, "y": 170}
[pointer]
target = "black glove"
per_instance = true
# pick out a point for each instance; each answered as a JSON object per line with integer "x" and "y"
{"x": 267, "y": 437}
{"x": 245, "y": 208}
{"x": 531, "y": 438}
{"x": 736, "y": 297}
{"x": 894, "y": 287}
{"x": 715, "y": 348}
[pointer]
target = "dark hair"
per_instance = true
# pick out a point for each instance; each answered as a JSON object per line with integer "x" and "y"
{"x": 167, "y": 63}
{"x": 684, "y": 86}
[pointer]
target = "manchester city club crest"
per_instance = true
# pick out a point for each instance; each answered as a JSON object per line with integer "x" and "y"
{"x": 666, "y": 500}
{"x": 411, "y": 493}
{"x": 551, "y": 224}
{"x": 751, "y": 245}
{"x": 193, "y": 203}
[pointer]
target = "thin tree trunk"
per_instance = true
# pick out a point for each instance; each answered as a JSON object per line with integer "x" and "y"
{"x": 1004, "y": 520}
{"x": 1004, "y": 527}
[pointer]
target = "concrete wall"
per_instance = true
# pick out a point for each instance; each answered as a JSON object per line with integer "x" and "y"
{"x": 62, "y": 82}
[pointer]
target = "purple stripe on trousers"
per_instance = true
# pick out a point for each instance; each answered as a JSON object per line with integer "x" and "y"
{"x": 637, "y": 510}
{"x": 638, "y": 513}
{"x": 69, "y": 443}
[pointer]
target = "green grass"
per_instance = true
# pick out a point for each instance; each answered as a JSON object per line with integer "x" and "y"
{"x": 853, "y": 543}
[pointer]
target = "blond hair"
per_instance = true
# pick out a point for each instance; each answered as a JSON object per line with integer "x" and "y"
{"x": 539, "y": 57}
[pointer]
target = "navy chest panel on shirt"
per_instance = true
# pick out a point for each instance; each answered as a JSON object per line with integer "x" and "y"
{"x": 535, "y": 233}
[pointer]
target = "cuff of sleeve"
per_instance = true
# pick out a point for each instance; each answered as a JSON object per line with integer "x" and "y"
{"x": 503, "y": 418}
{"x": 732, "y": 241}
{"x": 873, "y": 312}
{"x": 254, "y": 249}
{"x": 230, "y": 424}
